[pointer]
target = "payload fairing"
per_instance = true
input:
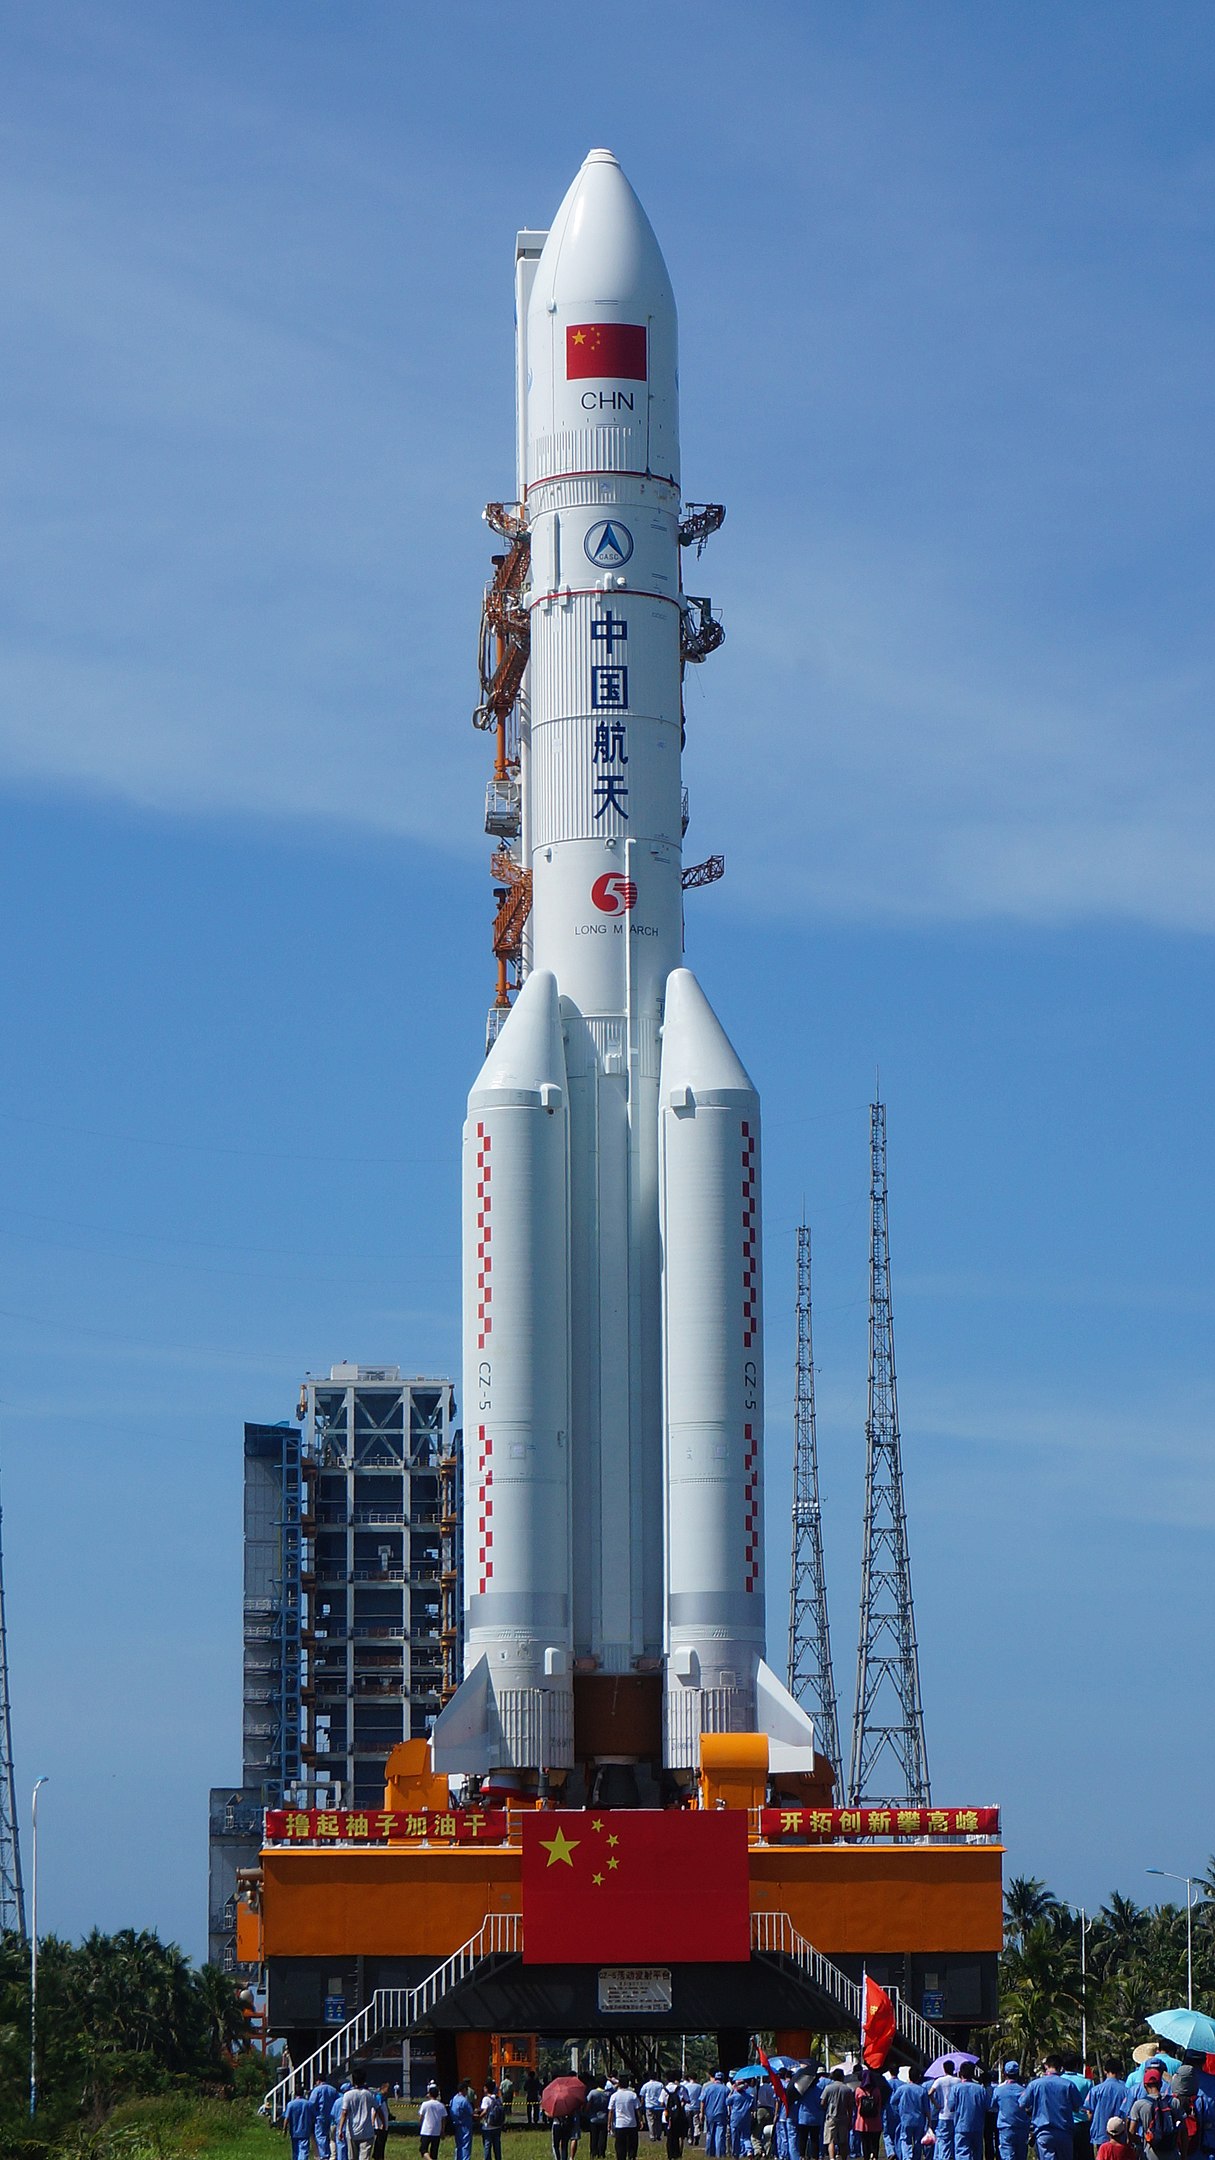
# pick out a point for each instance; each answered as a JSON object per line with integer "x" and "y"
{"x": 613, "y": 1344}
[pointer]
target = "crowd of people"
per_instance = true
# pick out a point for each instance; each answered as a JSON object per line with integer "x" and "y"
{"x": 960, "y": 2112}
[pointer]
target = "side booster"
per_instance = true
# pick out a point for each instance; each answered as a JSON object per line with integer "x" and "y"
{"x": 612, "y": 1311}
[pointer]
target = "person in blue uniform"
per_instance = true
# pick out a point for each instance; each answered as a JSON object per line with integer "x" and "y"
{"x": 337, "y": 2128}
{"x": 968, "y": 2108}
{"x": 1111, "y": 2097}
{"x": 808, "y": 2116}
{"x": 742, "y": 2115}
{"x": 324, "y": 2100}
{"x": 906, "y": 2118}
{"x": 1012, "y": 2128}
{"x": 299, "y": 2115}
{"x": 715, "y": 2115}
{"x": 1049, "y": 2102}
{"x": 462, "y": 2116}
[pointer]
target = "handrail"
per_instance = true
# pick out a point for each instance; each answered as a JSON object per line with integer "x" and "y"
{"x": 775, "y": 1933}
{"x": 499, "y": 1935}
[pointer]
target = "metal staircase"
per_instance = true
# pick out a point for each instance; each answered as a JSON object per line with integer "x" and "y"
{"x": 401, "y": 2010}
{"x": 774, "y": 1935}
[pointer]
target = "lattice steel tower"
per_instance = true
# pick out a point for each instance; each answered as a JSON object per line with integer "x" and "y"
{"x": 811, "y": 1678}
{"x": 889, "y": 1755}
{"x": 12, "y": 1895}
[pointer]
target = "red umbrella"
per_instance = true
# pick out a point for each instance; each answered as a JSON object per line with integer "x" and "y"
{"x": 564, "y": 2096}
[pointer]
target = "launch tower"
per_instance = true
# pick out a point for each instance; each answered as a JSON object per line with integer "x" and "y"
{"x": 889, "y": 1752}
{"x": 811, "y": 1676}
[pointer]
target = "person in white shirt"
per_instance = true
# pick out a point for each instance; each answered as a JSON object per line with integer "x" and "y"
{"x": 624, "y": 2114}
{"x": 653, "y": 2093}
{"x": 432, "y": 2121}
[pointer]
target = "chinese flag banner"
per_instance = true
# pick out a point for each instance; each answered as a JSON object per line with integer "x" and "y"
{"x": 879, "y": 1822}
{"x": 605, "y": 348}
{"x": 635, "y": 1886}
{"x": 877, "y": 2032}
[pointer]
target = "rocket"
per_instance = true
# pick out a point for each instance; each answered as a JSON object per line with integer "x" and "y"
{"x": 613, "y": 1333}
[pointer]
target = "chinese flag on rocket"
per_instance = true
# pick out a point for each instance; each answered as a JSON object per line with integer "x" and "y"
{"x": 877, "y": 2028}
{"x": 605, "y": 348}
{"x": 635, "y": 1886}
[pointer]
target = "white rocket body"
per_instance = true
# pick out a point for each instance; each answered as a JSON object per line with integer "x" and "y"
{"x": 612, "y": 1320}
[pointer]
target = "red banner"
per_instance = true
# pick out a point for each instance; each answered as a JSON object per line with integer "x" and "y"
{"x": 635, "y": 1886}
{"x": 879, "y": 1822}
{"x": 367, "y": 1826}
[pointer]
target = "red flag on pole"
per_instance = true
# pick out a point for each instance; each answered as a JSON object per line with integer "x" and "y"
{"x": 782, "y": 2097}
{"x": 877, "y": 2024}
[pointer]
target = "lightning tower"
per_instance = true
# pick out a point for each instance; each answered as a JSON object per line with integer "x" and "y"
{"x": 889, "y": 1754}
{"x": 12, "y": 1895}
{"x": 811, "y": 1678}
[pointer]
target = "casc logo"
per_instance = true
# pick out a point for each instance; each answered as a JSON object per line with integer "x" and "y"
{"x": 613, "y": 894}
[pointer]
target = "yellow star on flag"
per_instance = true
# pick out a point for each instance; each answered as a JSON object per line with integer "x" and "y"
{"x": 560, "y": 1848}
{"x": 613, "y": 1841}
{"x": 596, "y": 1878}
{"x": 596, "y": 1826}
{"x": 579, "y": 338}
{"x": 613, "y": 1862}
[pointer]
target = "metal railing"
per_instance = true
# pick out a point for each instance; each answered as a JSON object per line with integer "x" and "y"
{"x": 400, "y": 2009}
{"x": 775, "y": 1933}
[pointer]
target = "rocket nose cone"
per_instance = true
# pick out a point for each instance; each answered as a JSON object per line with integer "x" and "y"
{"x": 602, "y": 251}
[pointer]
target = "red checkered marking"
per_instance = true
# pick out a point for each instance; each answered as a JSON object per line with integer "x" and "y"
{"x": 485, "y": 1319}
{"x": 750, "y": 1511}
{"x": 750, "y": 1238}
{"x": 485, "y": 1510}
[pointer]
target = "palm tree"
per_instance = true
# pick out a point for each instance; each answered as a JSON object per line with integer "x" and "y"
{"x": 1027, "y": 1901}
{"x": 1040, "y": 1990}
{"x": 223, "y": 2019}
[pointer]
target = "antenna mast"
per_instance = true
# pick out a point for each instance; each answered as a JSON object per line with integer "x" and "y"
{"x": 889, "y": 1753}
{"x": 811, "y": 1679}
{"x": 12, "y": 1895}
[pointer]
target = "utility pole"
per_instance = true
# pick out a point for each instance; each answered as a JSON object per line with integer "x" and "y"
{"x": 811, "y": 1678}
{"x": 889, "y": 1752}
{"x": 12, "y": 1895}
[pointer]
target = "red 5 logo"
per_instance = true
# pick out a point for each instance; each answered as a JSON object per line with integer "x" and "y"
{"x": 614, "y": 894}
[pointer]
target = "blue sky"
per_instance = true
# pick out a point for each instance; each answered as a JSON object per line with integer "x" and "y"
{"x": 946, "y": 318}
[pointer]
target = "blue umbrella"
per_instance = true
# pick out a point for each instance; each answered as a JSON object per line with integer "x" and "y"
{"x": 751, "y": 2072}
{"x": 1187, "y": 2029}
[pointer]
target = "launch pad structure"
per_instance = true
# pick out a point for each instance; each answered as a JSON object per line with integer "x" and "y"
{"x": 620, "y": 1819}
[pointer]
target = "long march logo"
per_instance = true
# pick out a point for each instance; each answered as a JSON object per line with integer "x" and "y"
{"x": 613, "y": 893}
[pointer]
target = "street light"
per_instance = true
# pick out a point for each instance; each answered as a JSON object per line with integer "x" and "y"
{"x": 1188, "y": 1880}
{"x": 34, "y": 1953}
{"x": 1085, "y": 1925}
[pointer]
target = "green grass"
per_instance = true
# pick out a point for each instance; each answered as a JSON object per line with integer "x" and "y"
{"x": 178, "y": 2128}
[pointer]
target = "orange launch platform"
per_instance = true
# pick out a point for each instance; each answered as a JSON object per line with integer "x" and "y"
{"x": 463, "y": 1922}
